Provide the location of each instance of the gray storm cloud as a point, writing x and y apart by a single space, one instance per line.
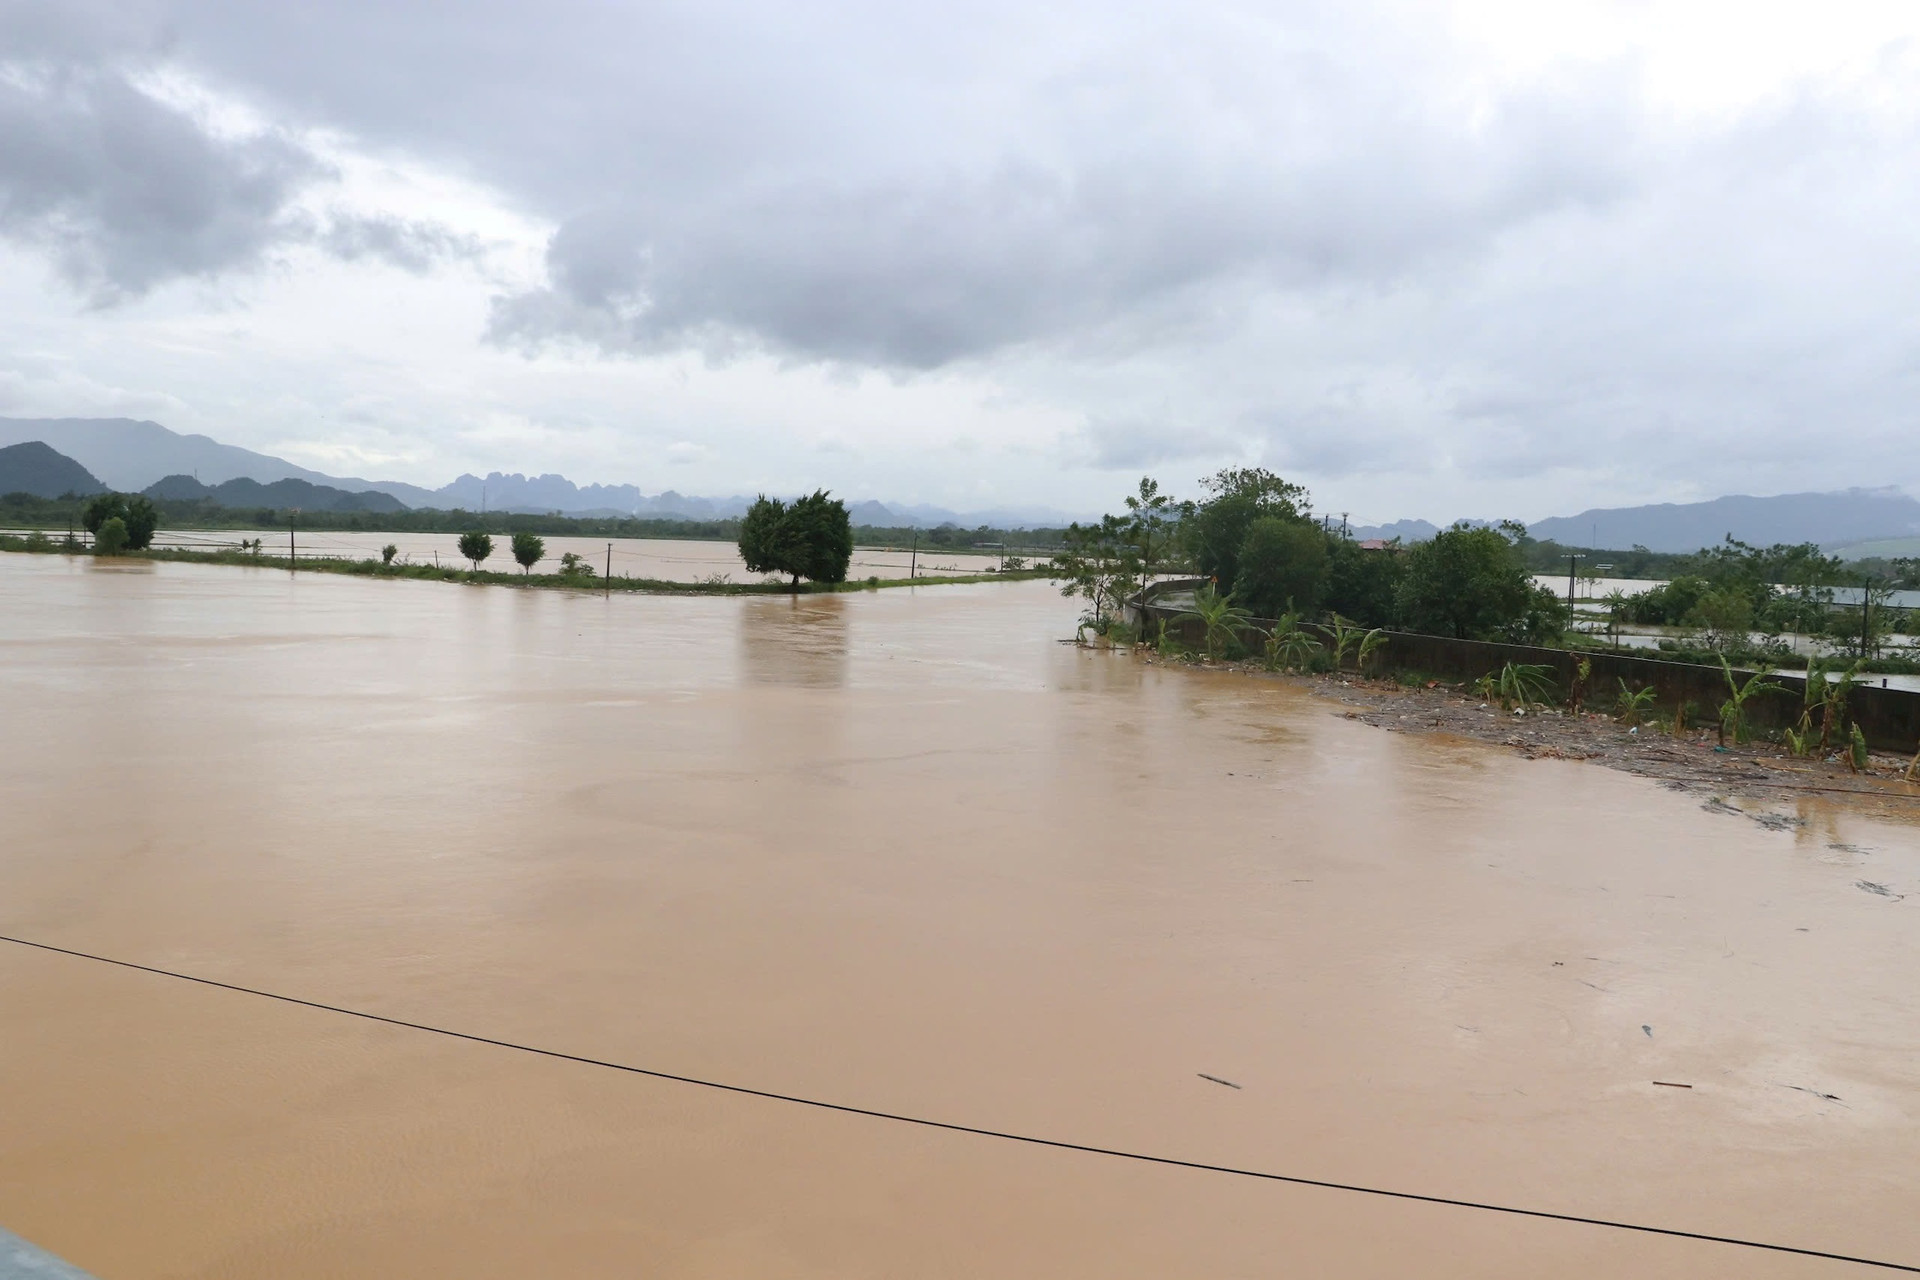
124 190
1314 234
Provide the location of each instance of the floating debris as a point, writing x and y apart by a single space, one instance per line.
1217 1080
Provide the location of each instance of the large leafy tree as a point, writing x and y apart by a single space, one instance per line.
1362 582
810 538
1473 584
135 512
1215 528
1282 567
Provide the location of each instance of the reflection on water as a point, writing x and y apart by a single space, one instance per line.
905 851
798 640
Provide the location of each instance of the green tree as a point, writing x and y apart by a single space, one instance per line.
136 514
143 519
1152 518
1215 528
1282 567
1362 582
528 550
1471 584
476 546
1726 613
1101 563
101 508
812 538
110 539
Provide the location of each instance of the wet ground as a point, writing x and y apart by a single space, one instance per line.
907 852
1696 759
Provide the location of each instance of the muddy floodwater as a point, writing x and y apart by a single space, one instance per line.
904 851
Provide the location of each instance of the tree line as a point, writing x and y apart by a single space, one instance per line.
1253 535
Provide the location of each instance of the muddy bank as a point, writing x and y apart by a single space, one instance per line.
1692 761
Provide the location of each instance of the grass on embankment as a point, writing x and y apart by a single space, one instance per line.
437 573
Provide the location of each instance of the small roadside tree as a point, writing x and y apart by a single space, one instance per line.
1100 562
476 546
1152 518
810 538
528 550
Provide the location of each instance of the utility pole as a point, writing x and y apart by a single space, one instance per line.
1866 607
609 586
913 565
1571 557
293 552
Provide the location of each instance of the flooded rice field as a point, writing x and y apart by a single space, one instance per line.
665 559
901 851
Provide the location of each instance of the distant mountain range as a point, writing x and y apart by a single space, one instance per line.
1830 519
131 456
53 456
302 494
1833 520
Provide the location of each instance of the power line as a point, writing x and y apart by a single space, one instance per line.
952 1127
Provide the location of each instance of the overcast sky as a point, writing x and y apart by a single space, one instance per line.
1431 260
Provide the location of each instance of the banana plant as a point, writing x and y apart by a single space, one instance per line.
1345 636
1633 704
1288 646
1733 712
1221 619
1370 644
1523 684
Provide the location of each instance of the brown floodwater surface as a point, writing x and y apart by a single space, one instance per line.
903 851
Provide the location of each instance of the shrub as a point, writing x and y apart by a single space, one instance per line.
111 537
387 553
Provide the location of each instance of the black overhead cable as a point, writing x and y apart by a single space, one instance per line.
949 1126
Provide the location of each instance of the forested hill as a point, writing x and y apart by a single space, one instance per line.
36 468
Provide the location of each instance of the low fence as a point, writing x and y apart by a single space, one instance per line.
1889 718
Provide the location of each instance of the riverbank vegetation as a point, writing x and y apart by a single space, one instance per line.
1253 537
